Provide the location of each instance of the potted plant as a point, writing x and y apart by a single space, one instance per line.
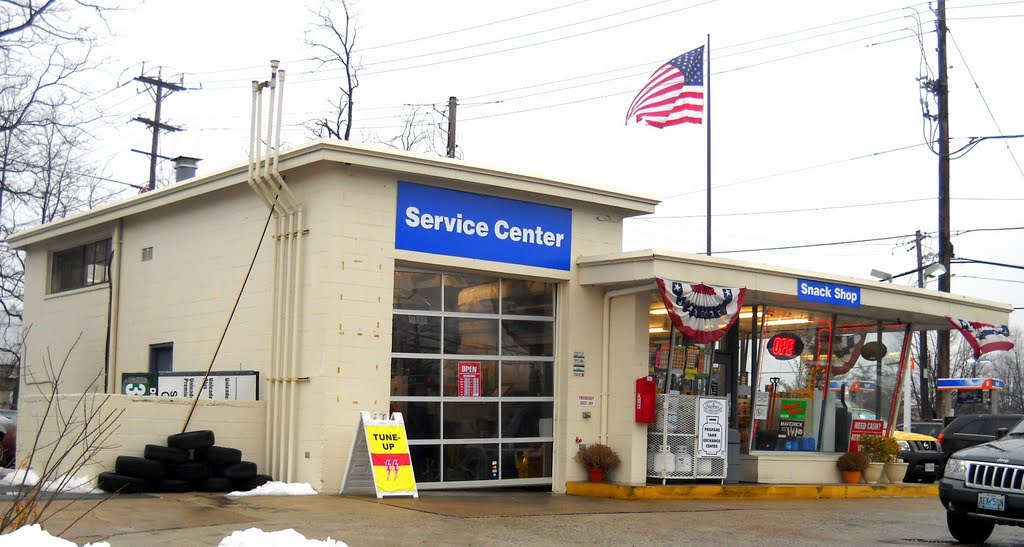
851 465
895 467
598 459
875 447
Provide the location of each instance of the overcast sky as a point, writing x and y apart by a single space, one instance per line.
818 133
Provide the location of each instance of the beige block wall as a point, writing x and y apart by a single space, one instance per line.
134 422
63 330
202 249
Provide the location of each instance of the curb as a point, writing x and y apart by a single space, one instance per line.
750 491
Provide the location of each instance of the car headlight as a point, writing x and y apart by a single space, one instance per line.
904 446
956 469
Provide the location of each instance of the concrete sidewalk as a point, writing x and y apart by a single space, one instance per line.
751 491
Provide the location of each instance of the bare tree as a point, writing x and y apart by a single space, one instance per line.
333 38
45 49
1009 366
417 133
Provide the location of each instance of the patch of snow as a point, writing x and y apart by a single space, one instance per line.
20 477
254 537
274 488
34 536
69 485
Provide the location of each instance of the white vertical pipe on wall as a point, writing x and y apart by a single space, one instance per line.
268 183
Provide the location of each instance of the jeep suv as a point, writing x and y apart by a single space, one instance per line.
983 486
970 429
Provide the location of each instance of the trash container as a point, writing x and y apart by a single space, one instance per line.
732 468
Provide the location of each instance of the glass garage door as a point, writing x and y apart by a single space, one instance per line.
472 373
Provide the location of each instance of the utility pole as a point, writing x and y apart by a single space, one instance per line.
163 89
922 365
945 246
452 104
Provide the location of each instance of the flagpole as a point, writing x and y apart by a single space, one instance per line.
707 122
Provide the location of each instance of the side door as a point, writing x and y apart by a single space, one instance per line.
973 432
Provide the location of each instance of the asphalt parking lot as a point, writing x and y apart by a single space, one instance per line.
510 517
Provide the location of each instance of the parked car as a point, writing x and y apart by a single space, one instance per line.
968 430
923 455
8 436
932 428
981 486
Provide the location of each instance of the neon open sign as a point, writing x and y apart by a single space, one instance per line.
785 345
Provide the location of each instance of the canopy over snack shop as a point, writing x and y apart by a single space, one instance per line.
798 356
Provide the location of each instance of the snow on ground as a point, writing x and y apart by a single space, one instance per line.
34 536
63 483
274 488
254 537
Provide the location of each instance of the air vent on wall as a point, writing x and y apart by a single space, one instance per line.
147 254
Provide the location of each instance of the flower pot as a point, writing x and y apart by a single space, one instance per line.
595 474
873 473
895 471
851 477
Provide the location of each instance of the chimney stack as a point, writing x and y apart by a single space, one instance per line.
185 167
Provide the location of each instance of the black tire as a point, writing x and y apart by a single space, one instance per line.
240 471
132 466
165 454
173 486
198 454
121 484
192 471
216 484
244 485
967 529
191 439
222 455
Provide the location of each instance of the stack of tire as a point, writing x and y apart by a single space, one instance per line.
190 462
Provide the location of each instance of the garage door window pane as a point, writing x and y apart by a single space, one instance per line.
415 334
417 291
415 377
470 294
470 420
521 297
470 336
527 338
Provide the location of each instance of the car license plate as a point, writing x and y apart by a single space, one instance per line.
929 468
992 502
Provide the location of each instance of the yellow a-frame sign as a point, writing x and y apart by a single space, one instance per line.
380 456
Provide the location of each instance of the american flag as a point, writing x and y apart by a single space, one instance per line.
674 94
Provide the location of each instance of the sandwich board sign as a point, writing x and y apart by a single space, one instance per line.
380 457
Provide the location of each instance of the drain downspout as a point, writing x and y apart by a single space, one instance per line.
115 300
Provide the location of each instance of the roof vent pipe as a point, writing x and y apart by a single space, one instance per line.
185 167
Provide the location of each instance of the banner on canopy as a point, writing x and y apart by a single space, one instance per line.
703 313
983 337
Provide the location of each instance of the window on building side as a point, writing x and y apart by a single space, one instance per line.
81 266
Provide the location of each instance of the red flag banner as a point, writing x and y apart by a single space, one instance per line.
983 337
701 312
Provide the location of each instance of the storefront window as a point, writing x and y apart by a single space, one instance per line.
818 373
473 370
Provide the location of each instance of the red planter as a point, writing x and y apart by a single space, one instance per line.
595 474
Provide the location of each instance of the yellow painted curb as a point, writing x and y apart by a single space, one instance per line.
750 491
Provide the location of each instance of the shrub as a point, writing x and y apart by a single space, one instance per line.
852 461
600 456
880 449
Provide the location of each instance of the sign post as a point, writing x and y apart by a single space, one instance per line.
380 457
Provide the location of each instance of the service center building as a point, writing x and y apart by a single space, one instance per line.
494 310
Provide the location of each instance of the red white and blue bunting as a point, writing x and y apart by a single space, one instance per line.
703 313
983 337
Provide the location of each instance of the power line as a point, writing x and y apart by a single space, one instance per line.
985 102
810 245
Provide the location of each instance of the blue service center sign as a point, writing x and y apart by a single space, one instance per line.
454 223
828 293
